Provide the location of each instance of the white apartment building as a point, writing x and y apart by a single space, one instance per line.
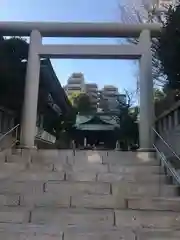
92 92
75 83
109 96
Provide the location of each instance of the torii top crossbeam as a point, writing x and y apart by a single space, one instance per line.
59 29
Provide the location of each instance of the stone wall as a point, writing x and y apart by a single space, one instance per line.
168 126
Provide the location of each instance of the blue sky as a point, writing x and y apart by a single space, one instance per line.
121 73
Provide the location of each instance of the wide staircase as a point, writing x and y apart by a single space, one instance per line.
98 195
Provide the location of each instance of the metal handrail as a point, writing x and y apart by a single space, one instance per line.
168 146
174 173
167 164
15 128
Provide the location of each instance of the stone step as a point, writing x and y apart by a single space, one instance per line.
141 189
147 219
161 234
23 236
86 233
116 168
133 162
14 215
16 159
17 187
114 177
89 176
80 200
65 187
10 169
92 167
11 166
29 228
73 217
31 175
37 175
45 200
75 188
158 203
98 202
115 202
144 178
9 199
106 235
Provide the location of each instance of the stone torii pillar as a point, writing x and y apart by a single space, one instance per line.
29 114
146 93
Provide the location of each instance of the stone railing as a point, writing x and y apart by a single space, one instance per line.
168 126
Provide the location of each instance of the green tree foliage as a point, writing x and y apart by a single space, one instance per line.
169 48
64 123
136 12
73 96
81 102
158 95
128 132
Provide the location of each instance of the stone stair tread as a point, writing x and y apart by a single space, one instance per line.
80 217
67 235
92 195
160 234
45 200
30 228
113 177
57 229
29 236
98 202
134 162
14 214
155 203
17 187
30 175
117 177
117 168
77 187
150 219
144 189
81 176
108 235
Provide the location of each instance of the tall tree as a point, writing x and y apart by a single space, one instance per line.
169 48
81 102
128 132
145 12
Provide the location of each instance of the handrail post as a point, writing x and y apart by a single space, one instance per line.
16 136
14 129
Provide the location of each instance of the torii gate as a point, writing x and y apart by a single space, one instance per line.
141 51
